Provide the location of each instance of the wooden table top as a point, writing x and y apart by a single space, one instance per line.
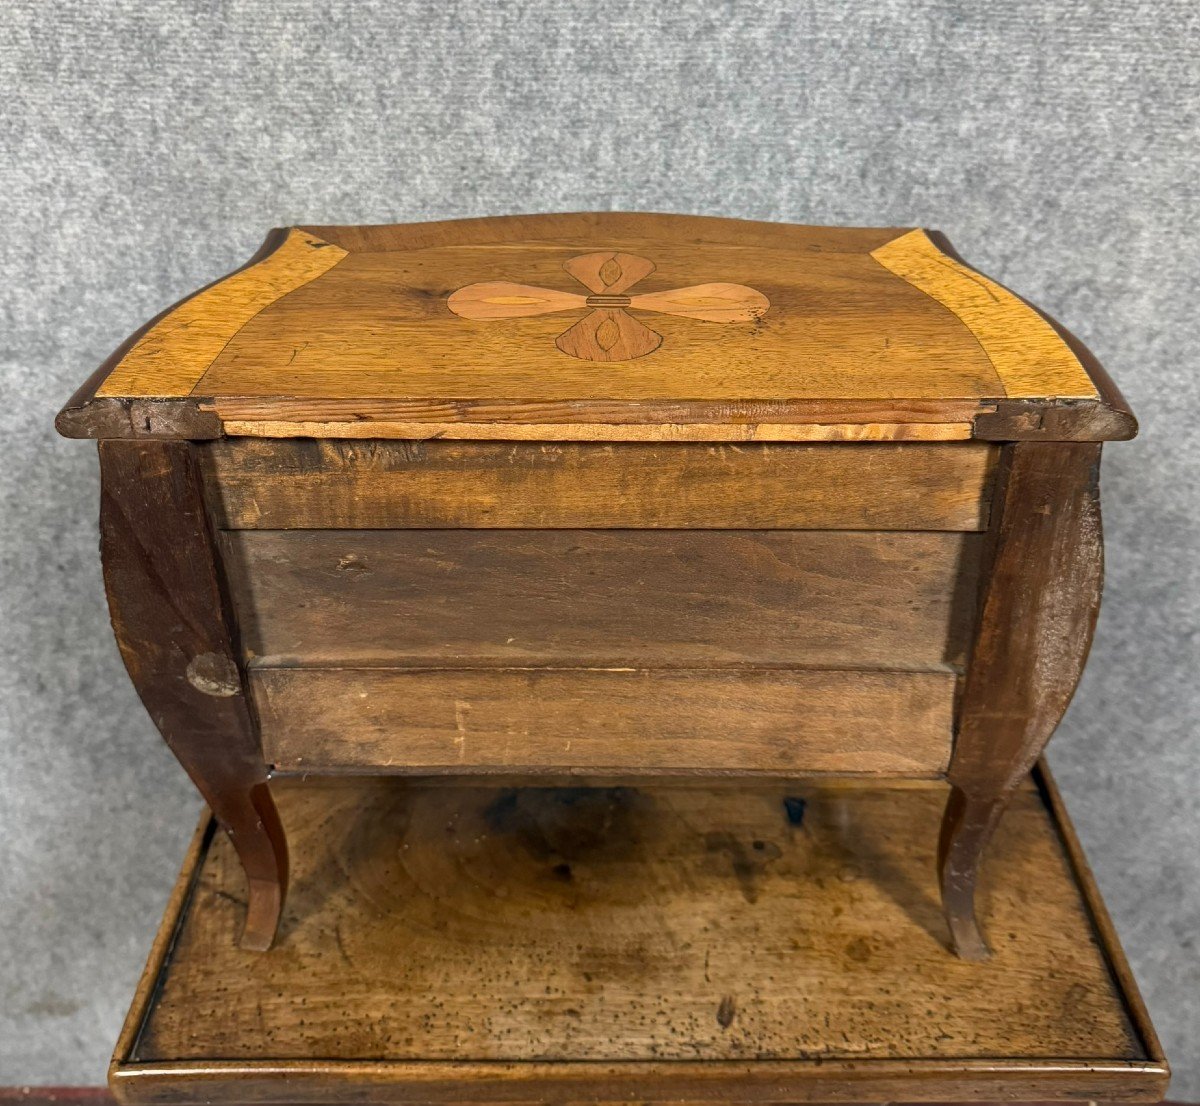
704 942
605 327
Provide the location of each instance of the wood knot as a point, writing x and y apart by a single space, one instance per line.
214 674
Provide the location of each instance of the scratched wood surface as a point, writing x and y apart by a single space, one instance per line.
603 598
783 921
608 318
274 485
568 720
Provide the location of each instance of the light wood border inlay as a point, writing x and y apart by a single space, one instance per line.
606 432
173 355
1029 357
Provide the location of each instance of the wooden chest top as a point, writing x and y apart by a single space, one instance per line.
604 327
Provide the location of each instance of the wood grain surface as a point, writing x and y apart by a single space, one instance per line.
794 317
773 942
634 720
510 431
818 598
380 325
380 485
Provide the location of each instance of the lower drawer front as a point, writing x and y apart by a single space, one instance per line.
893 723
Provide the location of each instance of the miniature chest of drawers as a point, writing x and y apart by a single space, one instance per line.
602 495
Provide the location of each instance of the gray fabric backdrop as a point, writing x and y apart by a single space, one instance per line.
147 146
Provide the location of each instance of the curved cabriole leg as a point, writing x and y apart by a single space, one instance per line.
176 636
257 834
967 826
1043 576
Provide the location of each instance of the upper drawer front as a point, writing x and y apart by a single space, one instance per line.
264 484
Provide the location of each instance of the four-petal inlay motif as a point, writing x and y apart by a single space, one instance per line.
609 332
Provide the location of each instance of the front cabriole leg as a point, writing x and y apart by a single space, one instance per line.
1039 604
176 636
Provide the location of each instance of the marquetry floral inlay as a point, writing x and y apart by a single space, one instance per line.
609 332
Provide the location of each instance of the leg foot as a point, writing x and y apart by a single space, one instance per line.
252 823
967 827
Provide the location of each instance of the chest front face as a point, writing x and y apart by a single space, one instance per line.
580 607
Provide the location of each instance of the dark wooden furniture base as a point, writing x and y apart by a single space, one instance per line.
697 942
